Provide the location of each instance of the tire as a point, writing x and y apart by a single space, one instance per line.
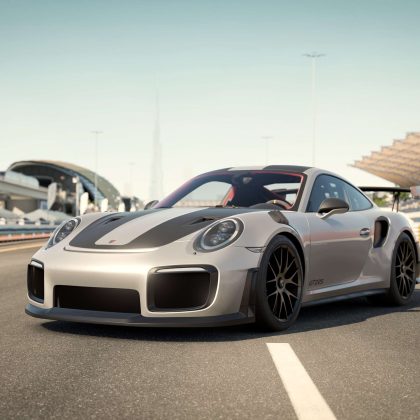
403 274
279 286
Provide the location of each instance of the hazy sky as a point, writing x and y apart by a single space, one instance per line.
228 72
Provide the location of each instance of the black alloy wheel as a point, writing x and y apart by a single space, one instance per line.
283 282
405 268
403 274
279 288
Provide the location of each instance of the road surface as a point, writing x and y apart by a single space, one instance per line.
363 362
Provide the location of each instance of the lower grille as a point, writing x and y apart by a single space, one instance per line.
97 299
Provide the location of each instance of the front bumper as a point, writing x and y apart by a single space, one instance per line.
128 319
231 301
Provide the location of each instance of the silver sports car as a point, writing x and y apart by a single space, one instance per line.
232 246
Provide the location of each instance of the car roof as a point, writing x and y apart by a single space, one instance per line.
281 168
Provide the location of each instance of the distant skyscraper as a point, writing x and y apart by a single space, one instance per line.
156 187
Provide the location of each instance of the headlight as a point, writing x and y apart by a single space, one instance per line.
63 231
219 235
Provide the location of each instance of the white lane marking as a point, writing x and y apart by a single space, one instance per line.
303 393
17 248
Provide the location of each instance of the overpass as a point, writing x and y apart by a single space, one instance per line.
17 190
22 191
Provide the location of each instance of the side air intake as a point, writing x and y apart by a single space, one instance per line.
381 232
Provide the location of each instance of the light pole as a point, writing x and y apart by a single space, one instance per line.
131 178
313 56
266 139
76 182
96 134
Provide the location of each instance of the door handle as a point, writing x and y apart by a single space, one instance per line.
365 232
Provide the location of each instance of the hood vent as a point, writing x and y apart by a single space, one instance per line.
204 220
112 219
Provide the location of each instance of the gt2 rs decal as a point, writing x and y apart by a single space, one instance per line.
149 229
316 282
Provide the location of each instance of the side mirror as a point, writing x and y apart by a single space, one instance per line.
150 204
332 206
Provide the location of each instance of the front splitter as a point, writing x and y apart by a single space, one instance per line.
135 320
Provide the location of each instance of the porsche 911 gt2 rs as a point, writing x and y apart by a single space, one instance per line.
231 246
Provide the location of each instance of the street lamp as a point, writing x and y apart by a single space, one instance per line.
313 56
96 134
266 139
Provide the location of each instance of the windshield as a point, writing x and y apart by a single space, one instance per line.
237 189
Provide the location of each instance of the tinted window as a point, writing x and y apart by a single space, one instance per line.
286 192
356 199
327 186
237 189
208 194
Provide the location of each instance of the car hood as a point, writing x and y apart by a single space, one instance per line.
149 228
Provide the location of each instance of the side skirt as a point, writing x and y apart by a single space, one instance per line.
344 297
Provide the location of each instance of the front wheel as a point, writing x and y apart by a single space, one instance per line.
279 286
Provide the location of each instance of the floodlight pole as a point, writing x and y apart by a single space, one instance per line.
96 134
314 56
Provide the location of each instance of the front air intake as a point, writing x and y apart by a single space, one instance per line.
35 281
181 288
97 299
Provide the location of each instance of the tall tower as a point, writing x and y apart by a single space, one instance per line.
156 188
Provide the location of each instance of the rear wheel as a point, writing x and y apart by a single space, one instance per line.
403 273
279 286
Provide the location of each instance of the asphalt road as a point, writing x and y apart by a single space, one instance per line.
364 360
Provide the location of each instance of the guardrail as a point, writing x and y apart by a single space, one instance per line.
24 233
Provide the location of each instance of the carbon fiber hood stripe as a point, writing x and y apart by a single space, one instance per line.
160 235
104 225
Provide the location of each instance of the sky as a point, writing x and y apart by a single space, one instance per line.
228 73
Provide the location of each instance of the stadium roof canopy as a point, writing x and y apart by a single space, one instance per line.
398 163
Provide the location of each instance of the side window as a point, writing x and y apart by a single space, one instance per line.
325 186
356 200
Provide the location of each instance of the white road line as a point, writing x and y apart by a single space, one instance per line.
17 248
303 393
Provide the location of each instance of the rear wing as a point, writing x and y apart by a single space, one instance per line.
395 191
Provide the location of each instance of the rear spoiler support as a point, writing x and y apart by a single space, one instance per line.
396 193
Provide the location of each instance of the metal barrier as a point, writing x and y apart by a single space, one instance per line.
24 233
